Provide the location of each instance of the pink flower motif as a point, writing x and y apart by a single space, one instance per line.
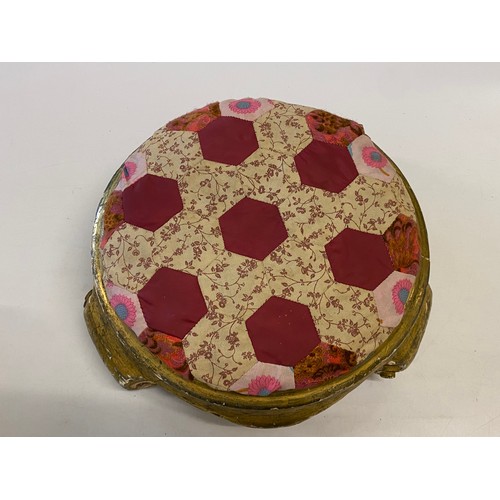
400 292
263 385
244 106
128 170
124 308
105 238
374 158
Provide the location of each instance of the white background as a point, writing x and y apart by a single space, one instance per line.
65 129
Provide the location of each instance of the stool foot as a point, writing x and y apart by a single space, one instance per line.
122 366
407 351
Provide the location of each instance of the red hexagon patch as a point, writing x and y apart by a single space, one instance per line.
282 332
172 302
151 202
252 228
359 259
228 140
326 166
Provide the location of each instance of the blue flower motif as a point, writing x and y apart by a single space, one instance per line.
243 104
122 311
403 295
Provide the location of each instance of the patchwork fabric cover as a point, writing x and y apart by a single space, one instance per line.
259 246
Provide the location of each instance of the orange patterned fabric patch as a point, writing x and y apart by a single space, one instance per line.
168 349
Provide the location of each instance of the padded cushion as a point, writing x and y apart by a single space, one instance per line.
259 246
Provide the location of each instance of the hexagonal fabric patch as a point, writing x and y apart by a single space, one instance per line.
264 379
188 242
282 332
252 228
133 169
246 109
233 286
297 271
313 215
359 259
172 302
126 306
128 257
271 177
228 140
151 202
331 128
210 189
326 166
403 244
369 160
171 153
219 351
323 363
346 316
168 349
284 128
391 297
195 120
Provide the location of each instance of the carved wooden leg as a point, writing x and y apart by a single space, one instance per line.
407 351
112 352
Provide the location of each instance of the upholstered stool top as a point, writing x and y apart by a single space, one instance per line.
259 246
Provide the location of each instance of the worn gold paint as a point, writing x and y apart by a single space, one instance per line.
134 367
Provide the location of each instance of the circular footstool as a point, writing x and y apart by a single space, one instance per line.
259 260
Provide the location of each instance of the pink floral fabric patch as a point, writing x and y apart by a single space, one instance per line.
264 379
133 169
369 160
126 306
247 108
391 297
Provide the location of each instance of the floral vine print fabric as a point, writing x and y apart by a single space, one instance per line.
259 246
